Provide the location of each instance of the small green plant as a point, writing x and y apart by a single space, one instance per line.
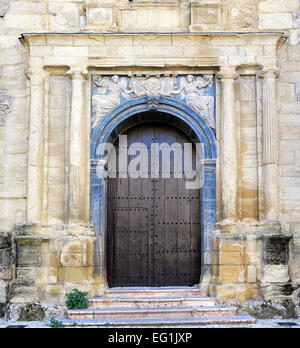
106 325
77 300
1 305
55 324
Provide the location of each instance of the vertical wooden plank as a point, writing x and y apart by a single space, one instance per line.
147 204
184 233
171 217
112 202
159 217
121 242
195 233
135 218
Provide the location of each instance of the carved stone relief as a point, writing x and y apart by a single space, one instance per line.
5 104
109 92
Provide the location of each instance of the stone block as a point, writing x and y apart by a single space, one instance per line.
242 14
5 272
26 276
5 257
70 51
229 274
11 56
251 50
5 241
231 258
52 275
205 15
226 246
101 17
3 291
64 16
153 40
73 254
251 274
52 291
276 21
152 18
30 7
225 292
294 53
27 22
247 292
28 252
275 274
75 275
269 6
287 92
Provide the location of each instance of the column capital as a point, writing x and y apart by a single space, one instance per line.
78 73
227 73
272 72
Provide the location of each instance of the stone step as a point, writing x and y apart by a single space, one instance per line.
237 320
152 313
153 292
147 302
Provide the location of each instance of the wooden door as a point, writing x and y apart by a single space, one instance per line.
154 232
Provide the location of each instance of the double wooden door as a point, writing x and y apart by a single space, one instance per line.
154 231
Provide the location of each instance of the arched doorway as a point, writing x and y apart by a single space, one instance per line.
119 121
153 221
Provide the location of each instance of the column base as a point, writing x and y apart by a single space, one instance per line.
52 260
250 260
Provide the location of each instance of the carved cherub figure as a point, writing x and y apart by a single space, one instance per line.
108 96
193 92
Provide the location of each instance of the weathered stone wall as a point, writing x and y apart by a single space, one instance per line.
67 260
6 265
289 99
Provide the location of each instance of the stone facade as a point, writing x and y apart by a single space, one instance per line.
48 52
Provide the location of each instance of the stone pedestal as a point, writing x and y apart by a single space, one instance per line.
25 287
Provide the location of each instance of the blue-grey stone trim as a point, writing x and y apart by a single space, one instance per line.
101 134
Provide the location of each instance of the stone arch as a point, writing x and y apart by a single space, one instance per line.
204 134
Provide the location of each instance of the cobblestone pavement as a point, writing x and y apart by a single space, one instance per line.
270 323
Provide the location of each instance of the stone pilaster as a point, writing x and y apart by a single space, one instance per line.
76 189
270 145
229 173
35 146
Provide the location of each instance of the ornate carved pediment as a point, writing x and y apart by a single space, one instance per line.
197 92
5 104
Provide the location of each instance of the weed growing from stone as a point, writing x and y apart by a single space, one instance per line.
77 300
55 324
